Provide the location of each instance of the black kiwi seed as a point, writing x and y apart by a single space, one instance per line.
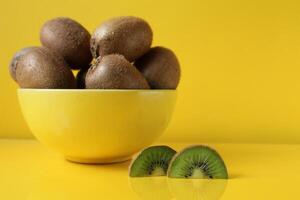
128 36
68 38
160 67
153 161
198 162
114 72
15 60
41 68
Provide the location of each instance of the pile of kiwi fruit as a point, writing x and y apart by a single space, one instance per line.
117 55
194 162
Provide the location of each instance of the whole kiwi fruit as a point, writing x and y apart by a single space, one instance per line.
114 72
160 67
41 68
14 62
68 38
129 36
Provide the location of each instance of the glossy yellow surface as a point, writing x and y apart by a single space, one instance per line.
240 61
30 171
97 126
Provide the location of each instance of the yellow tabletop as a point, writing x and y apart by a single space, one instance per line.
28 170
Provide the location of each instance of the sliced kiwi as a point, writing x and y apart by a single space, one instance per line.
200 162
153 161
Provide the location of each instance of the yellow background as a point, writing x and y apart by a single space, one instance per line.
240 62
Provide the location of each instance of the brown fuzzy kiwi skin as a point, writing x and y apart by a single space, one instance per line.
18 55
129 36
69 39
114 72
41 68
160 67
183 150
80 78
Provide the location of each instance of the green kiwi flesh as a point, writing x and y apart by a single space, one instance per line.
153 161
198 162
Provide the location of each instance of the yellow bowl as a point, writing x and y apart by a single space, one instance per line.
97 126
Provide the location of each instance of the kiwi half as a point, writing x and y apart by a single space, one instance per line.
153 161
200 162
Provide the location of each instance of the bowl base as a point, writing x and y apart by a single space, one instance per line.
97 160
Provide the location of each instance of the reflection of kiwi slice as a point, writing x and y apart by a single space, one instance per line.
151 188
200 189
152 161
198 162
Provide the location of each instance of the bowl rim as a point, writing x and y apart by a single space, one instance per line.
95 90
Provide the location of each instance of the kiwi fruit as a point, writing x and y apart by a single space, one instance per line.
41 68
69 39
198 162
129 36
160 67
80 78
14 62
152 161
114 72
